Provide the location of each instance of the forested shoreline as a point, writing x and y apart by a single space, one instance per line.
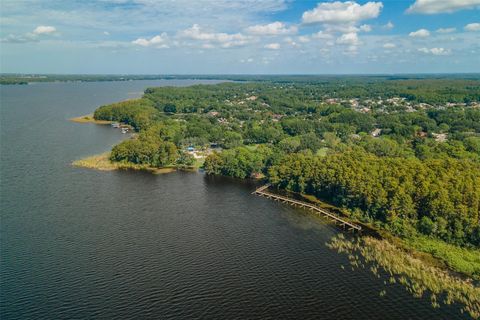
25 79
400 154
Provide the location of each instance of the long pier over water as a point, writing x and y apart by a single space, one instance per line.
336 219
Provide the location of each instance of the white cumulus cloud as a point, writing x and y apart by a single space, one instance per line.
272 29
159 41
11 38
272 46
446 30
421 33
472 27
322 35
290 41
389 45
225 40
44 30
304 39
34 36
441 6
365 28
342 12
348 39
342 20
389 25
436 51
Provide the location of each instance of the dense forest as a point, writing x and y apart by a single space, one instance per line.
402 154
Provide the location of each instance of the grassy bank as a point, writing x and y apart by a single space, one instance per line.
401 267
431 251
463 260
89 119
102 162
438 253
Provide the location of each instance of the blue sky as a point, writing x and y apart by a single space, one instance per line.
238 37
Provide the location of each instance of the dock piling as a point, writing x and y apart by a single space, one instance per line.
344 223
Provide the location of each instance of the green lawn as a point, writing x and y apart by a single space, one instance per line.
460 259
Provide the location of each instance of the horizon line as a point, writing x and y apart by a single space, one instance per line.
239 74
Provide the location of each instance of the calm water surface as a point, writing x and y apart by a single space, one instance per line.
78 243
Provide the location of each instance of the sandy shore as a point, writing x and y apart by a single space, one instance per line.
89 119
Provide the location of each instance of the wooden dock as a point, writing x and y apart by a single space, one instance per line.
336 219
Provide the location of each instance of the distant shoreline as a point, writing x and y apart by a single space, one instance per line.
26 79
33 79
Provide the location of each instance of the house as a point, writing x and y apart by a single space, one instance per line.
440 137
331 100
277 117
354 103
213 113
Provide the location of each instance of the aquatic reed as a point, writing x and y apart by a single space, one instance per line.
418 277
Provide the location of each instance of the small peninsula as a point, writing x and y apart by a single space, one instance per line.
89 119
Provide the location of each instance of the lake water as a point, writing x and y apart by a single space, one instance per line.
79 243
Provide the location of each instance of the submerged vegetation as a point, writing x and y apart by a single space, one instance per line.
400 155
415 275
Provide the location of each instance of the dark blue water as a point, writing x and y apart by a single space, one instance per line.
82 244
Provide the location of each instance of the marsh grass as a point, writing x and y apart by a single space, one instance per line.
414 274
436 252
89 119
464 260
102 162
